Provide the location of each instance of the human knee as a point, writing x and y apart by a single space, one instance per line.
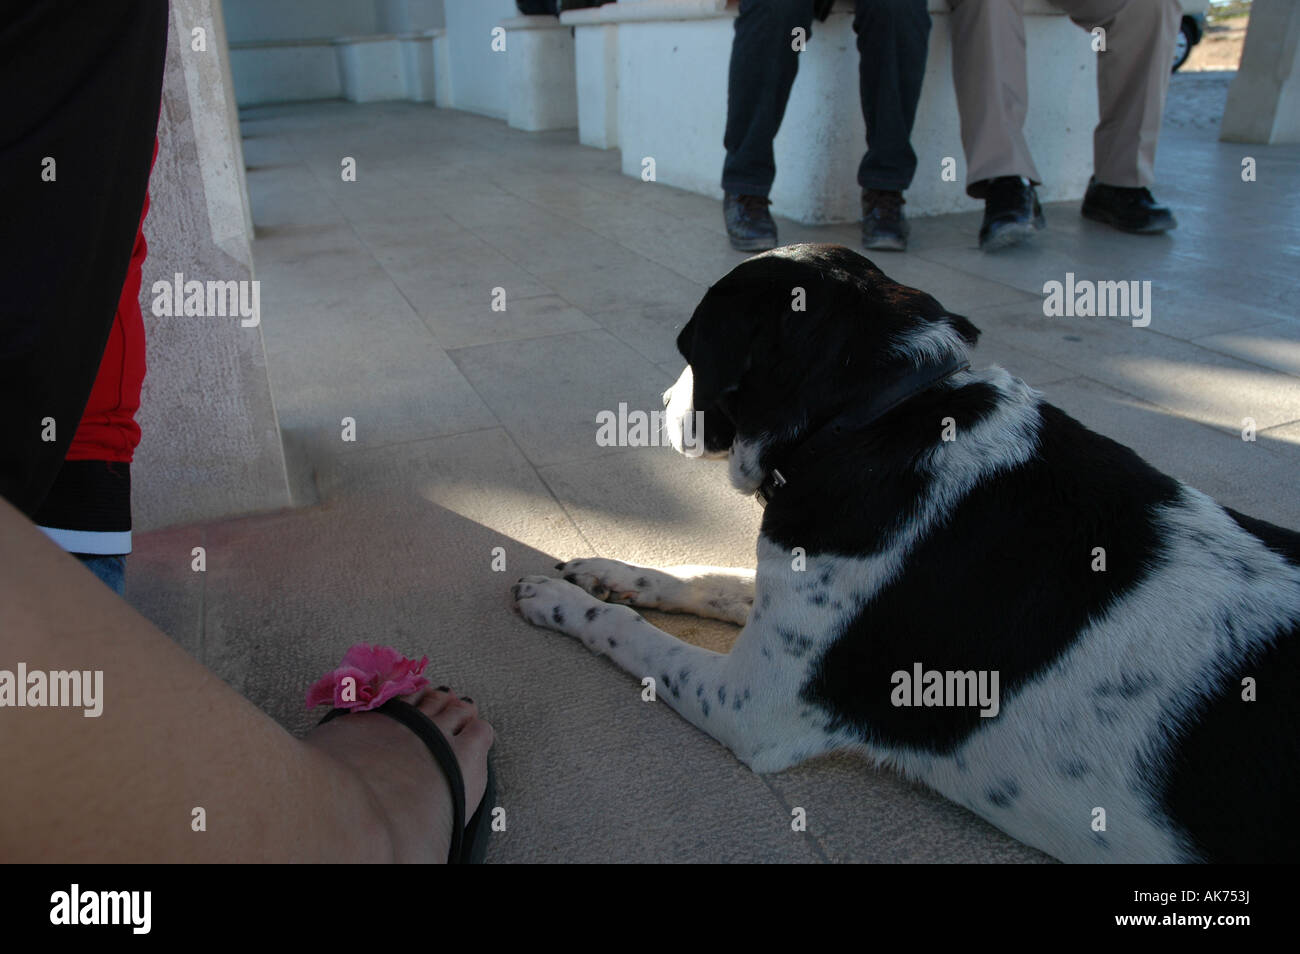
786 14
878 13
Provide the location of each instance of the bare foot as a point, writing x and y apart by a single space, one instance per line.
409 791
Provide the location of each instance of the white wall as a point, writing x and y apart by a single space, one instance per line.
478 75
409 16
255 20
284 50
259 20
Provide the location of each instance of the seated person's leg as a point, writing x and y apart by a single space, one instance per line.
763 66
164 735
893 41
988 72
1132 77
168 736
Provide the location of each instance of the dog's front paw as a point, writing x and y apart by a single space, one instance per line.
554 604
612 581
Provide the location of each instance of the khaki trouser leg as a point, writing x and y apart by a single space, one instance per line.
1132 77
988 72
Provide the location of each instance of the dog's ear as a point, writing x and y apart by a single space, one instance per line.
964 327
883 294
718 342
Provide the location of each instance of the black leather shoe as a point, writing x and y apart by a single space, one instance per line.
749 224
883 225
1011 213
1127 209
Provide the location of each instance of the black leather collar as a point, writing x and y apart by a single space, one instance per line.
853 419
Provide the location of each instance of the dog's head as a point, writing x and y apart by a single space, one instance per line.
789 337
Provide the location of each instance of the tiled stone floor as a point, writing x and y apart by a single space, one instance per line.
475 430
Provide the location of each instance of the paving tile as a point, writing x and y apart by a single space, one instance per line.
599 289
547 391
293 208
266 151
392 202
1195 382
164 588
1283 442
1191 313
288 177
366 177
656 507
957 290
434 233
650 330
551 243
294 244
1205 387
1271 285
373 362
461 316
1028 267
330 279
1030 368
864 815
586 771
480 475
695 252
1275 345
1249 476
483 204
425 271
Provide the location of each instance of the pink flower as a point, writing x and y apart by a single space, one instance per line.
368 677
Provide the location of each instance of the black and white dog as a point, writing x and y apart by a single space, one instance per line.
963 582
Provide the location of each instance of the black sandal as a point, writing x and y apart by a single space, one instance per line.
468 841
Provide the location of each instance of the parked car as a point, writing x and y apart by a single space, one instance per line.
1191 30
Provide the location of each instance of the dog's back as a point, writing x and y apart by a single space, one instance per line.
1146 640
1233 780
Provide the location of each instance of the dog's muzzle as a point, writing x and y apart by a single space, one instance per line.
684 424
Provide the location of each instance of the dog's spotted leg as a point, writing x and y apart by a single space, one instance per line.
712 592
704 687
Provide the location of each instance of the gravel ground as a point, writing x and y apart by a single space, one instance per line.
1198 91
1196 100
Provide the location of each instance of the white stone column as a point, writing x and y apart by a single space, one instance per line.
595 56
210 443
1264 99
541 91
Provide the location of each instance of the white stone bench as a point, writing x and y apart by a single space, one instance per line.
371 67
665 64
363 69
282 71
542 90
419 71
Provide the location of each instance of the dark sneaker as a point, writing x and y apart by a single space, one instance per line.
1011 213
883 225
1127 209
749 224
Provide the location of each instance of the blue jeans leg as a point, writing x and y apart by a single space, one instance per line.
110 569
893 42
762 70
